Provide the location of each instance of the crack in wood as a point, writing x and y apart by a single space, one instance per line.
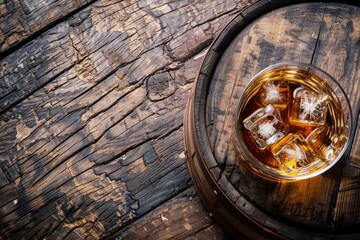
318 36
32 34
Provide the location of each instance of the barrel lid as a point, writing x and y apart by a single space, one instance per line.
324 34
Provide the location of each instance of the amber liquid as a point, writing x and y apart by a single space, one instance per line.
295 78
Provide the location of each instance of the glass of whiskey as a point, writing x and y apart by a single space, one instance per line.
293 121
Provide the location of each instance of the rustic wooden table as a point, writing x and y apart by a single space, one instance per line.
92 100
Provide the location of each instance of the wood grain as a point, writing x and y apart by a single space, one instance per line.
182 217
92 99
91 116
21 20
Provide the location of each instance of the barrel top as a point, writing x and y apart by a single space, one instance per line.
325 35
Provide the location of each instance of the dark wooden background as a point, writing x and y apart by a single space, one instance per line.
92 100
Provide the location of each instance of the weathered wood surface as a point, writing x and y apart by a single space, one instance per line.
91 115
23 20
327 36
180 218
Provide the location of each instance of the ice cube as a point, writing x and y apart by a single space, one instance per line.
249 121
266 126
325 142
275 92
308 107
294 154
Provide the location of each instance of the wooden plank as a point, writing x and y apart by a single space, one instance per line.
21 20
338 53
211 232
91 128
346 207
182 217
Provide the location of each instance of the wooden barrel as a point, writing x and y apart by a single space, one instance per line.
324 34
